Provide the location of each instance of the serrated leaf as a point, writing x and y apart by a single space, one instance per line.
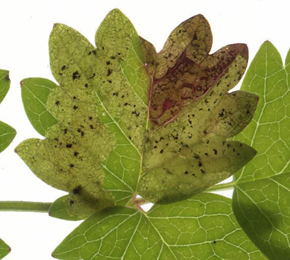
4 249
262 209
201 228
268 131
35 92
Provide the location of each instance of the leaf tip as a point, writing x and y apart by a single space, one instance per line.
56 26
7 76
268 42
244 50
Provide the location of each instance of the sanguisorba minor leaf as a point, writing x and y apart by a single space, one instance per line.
94 150
262 209
4 249
262 190
202 227
186 149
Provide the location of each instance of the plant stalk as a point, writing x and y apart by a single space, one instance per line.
24 206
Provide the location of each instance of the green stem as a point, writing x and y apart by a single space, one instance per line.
221 187
24 206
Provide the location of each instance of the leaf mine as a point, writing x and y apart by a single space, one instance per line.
125 119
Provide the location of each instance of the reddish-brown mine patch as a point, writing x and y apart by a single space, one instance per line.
189 81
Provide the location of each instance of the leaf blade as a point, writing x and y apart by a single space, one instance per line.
262 210
186 141
7 134
266 78
166 232
4 83
4 249
34 93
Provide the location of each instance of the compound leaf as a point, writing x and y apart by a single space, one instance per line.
202 227
262 209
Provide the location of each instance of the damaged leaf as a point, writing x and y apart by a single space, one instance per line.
125 119
93 152
193 114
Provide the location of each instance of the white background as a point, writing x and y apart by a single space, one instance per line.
24 31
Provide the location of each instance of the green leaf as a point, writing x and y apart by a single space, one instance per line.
108 143
190 152
202 227
4 249
92 150
262 190
268 132
4 83
66 208
7 134
262 209
35 92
